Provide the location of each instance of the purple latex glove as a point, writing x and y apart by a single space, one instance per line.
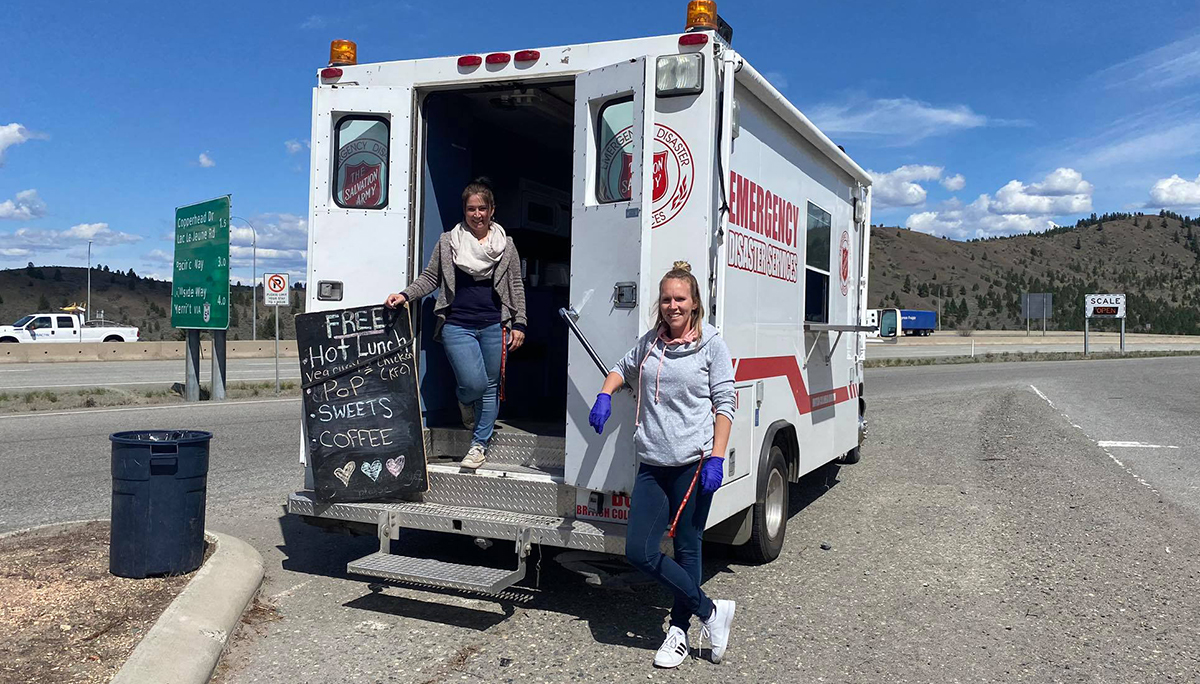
711 474
601 410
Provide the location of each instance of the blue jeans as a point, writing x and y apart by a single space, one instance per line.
656 496
475 356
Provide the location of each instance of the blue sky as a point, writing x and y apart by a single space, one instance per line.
977 118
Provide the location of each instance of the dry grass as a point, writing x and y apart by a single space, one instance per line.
66 619
102 397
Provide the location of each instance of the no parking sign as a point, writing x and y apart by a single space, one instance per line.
275 289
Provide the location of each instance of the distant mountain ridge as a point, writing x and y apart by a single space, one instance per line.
1153 259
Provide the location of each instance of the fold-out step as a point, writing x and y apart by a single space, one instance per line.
437 573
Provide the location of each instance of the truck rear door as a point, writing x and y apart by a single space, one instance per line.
610 251
359 220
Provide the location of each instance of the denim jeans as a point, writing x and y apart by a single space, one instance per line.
656 496
475 356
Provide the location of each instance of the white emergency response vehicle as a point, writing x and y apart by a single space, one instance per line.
610 161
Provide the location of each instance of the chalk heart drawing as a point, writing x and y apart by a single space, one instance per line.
345 472
372 470
395 465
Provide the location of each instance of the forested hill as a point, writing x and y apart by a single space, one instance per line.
1153 259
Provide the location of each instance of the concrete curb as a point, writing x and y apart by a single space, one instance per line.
186 643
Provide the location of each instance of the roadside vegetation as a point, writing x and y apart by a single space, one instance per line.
991 357
104 397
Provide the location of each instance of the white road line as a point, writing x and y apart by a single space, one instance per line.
206 404
1134 445
1099 444
144 382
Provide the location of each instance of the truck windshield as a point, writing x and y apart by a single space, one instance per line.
23 320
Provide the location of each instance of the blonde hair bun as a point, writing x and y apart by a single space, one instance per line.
682 266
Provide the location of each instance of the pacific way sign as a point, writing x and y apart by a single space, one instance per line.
200 286
1105 305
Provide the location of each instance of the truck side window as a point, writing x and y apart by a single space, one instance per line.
65 322
40 323
816 265
614 131
360 172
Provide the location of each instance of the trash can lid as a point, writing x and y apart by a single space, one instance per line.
161 436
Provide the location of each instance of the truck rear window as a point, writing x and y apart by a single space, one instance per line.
360 176
614 132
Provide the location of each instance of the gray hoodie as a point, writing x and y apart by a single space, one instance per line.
681 388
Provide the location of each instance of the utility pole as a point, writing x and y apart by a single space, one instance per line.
88 313
253 278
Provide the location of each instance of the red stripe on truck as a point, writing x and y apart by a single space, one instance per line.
746 370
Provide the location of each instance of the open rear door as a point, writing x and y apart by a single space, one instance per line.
610 250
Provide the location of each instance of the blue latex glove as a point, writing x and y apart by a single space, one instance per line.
601 410
711 474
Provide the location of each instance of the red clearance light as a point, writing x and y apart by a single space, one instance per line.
470 61
528 56
331 72
693 39
499 58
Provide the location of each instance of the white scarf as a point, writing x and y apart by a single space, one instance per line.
477 258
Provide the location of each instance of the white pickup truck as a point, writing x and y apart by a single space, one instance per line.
64 327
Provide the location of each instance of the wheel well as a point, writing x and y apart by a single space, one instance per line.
114 338
7 339
785 439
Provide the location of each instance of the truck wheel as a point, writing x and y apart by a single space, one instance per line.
770 514
850 457
8 340
113 338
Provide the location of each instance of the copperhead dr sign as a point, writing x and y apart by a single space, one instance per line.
1104 305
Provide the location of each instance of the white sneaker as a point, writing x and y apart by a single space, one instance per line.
674 649
716 628
475 456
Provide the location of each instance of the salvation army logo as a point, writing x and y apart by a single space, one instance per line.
844 265
363 184
673 172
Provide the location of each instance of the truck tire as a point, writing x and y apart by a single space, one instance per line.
850 457
770 513
114 338
8 340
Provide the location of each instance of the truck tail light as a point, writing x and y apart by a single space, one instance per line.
331 72
499 58
693 39
468 61
528 56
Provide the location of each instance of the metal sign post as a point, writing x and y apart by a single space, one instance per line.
1103 306
1039 305
275 293
200 286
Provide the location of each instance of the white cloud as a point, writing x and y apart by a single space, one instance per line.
15 134
903 121
293 146
1169 130
11 252
954 183
1062 192
899 189
206 161
39 240
26 206
158 256
315 21
1169 66
1176 192
1017 208
282 245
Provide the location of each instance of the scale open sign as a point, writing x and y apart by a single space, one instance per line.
275 289
1104 306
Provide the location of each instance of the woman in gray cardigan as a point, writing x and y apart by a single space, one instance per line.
480 309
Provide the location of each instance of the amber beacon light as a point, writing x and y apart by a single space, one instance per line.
702 15
343 53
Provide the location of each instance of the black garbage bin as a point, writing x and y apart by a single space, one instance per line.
159 483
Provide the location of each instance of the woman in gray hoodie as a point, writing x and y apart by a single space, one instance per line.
683 376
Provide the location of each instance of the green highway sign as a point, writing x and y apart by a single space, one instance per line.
200 287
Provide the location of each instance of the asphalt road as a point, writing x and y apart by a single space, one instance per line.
984 537
135 374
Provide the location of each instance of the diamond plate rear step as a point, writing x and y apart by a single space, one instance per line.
509 446
435 573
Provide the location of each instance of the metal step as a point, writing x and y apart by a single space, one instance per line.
509 446
500 488
429 572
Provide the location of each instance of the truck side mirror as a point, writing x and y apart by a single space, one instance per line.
889 323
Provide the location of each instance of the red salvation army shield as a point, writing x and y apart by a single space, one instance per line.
660 175
363 185
626 176
844 270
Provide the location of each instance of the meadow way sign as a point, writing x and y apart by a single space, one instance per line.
1105 305
200 285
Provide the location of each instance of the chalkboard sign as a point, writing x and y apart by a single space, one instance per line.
362 414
